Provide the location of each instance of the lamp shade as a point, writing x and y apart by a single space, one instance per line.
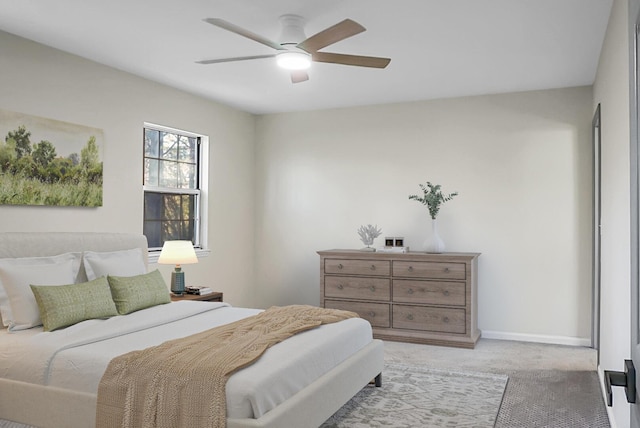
177 253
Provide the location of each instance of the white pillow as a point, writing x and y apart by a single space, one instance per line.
114 263
17 304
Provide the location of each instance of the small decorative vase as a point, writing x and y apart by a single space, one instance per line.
434 244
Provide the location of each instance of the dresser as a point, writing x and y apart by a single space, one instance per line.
409 297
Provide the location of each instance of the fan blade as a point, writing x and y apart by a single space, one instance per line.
298 76
356 60
240 58
324 38
244 33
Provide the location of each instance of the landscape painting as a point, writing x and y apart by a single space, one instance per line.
49 162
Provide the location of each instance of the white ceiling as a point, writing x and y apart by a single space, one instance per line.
438 48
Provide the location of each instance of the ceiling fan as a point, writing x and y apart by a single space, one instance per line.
296 51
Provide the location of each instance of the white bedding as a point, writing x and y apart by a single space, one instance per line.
77 356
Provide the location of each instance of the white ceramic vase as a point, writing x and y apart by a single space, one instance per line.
434 244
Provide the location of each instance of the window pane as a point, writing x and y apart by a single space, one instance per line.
151 143
172 207
168 174
187 176
188 206
187 231
153 231
187 149
151 172
169 146
153 206
171 230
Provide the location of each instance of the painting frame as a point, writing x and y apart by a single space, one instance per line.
48 162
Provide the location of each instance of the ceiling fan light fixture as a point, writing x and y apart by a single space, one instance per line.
294 60
295 51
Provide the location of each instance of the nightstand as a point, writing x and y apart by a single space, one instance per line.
211 297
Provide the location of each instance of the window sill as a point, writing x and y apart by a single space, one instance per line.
200 253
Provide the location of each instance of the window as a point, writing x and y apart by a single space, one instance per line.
172 183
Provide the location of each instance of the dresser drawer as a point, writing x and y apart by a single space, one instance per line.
429 292
376 313
353 287
427 318
357 267
429 270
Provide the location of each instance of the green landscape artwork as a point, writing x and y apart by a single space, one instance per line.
49 162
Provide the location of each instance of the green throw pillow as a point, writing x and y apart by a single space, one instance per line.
64 305
132 293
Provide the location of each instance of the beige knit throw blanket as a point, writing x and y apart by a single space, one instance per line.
181 383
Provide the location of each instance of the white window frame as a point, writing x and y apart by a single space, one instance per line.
202 203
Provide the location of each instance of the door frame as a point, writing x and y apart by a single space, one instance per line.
596 135
634 119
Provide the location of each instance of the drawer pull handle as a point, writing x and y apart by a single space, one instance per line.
445 292
372 288
373 267
372 314
340 286
340 266
446 270
445 319
410 269
410 291
410 317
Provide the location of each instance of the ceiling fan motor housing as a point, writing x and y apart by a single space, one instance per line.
292 31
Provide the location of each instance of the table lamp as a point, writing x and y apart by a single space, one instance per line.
177 253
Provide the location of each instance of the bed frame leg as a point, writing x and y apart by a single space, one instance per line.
378 380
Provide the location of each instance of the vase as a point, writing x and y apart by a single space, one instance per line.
434 244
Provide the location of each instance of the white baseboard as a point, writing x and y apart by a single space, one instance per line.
538 338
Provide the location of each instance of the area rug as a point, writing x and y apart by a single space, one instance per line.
553 398
416 396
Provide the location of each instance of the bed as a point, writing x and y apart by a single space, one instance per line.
50 379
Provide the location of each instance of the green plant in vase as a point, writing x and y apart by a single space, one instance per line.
433 198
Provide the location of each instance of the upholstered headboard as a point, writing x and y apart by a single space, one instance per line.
34 244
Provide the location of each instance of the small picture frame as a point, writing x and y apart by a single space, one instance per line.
394 241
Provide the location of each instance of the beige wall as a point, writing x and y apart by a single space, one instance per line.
611 90
521 163
45 82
